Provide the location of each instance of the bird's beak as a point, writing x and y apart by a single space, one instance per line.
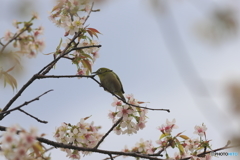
94 73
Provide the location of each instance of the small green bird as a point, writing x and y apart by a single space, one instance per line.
110 81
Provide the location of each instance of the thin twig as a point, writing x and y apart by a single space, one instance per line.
96 10
25 103
41 121
110 130
110 156
63 76
46 150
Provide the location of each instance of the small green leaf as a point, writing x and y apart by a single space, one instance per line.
184 137
179 146
86 64
60 43
164 135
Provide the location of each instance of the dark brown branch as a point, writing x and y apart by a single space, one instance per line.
24 104
110 130
92 77
67 146
68 58
16 96
110 156
96 10
41 121
62 76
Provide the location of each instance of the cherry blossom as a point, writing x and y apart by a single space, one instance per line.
200 130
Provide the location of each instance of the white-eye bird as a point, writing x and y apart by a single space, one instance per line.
110 81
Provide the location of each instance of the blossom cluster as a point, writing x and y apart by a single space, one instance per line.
66 14
20 146
26 39
82 135
187 147
72 15
133 118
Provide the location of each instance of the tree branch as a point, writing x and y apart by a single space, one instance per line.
24 104
110 130
41 121
110 156
67 146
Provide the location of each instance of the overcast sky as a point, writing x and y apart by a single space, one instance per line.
142 47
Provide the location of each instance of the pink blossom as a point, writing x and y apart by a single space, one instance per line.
124 111
8 35
200 130
116 102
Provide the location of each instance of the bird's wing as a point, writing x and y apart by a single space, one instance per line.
119 81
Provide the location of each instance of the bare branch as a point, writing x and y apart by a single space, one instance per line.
41 121
67 146
110 130
62 76
24 104
110 156
96 10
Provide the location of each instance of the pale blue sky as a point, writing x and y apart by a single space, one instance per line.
132 46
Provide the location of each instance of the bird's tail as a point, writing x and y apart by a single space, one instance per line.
121 96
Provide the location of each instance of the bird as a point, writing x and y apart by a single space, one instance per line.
110 82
